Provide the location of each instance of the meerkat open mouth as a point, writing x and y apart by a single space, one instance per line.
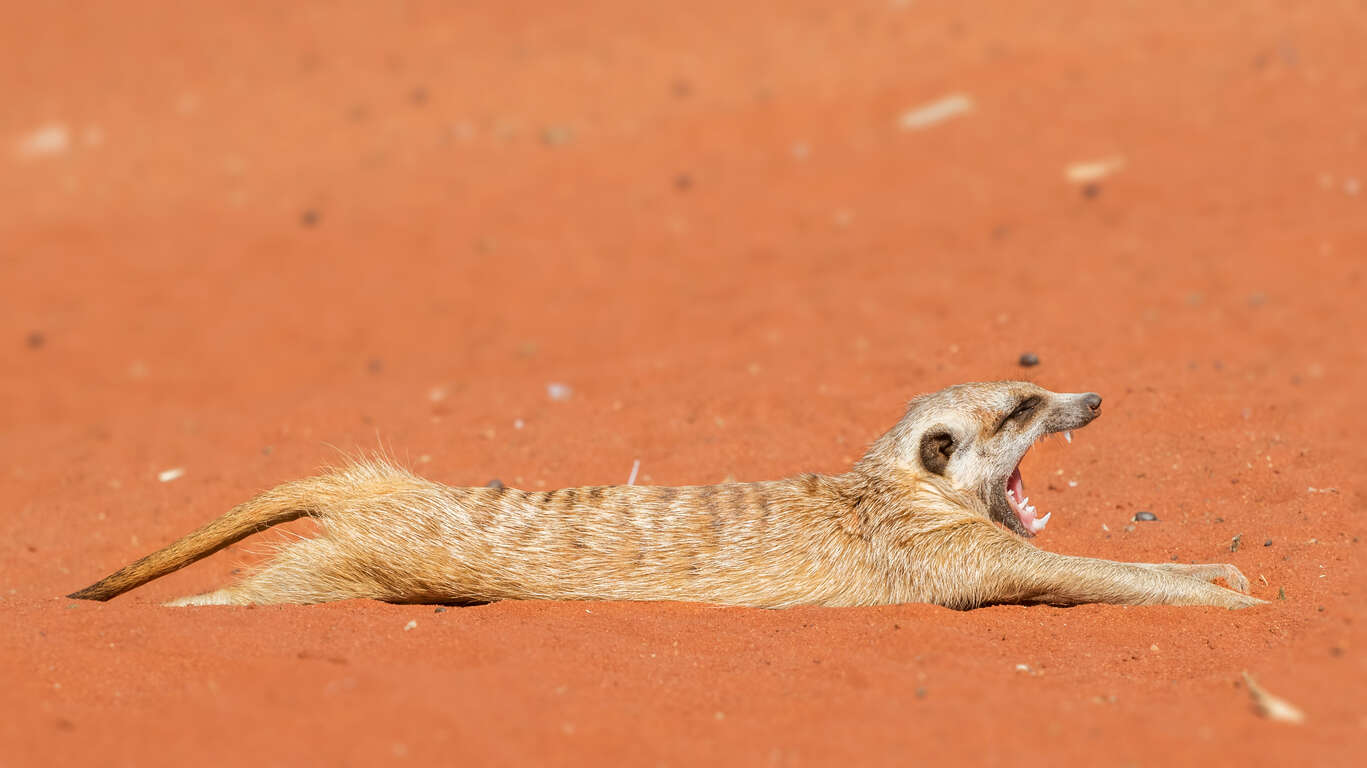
1019 503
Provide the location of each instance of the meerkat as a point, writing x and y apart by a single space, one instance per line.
936 511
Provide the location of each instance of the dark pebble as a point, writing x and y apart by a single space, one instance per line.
1090 191
418 96
1029 360
495 483
439 609
35 339
1267 543
683 182
309 218
374 365
1145 516
921 693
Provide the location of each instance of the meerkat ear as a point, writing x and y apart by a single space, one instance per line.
937 445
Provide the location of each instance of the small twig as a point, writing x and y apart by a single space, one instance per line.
1272 707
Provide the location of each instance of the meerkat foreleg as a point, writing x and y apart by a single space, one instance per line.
1069 580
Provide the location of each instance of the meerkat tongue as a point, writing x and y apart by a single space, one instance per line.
1015 484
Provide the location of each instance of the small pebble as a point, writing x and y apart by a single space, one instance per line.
309 218
1145 516
1029 360
556 135
558 392
1090 191
495 483
1267 543
412 624
439 609
35 339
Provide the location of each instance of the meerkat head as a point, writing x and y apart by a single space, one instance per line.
975 435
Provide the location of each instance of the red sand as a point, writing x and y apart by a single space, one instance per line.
241 237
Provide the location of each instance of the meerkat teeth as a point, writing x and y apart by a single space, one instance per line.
1025 502
1068 435
1039 524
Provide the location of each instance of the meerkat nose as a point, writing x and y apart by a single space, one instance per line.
1092 400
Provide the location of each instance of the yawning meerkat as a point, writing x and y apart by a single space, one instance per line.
936 512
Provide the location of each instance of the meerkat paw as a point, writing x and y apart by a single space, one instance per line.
1236 601
1213 571
218 597
1207 572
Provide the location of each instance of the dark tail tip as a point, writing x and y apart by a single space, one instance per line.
90 593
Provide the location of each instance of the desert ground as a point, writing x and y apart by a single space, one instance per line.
239 241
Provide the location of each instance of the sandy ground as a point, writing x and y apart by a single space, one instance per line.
238 238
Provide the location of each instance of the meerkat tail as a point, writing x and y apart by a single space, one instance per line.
280 505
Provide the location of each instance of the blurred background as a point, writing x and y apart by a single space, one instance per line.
271 208
542 241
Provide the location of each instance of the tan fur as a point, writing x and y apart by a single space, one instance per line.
888 531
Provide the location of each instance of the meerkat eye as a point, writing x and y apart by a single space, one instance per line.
1021 411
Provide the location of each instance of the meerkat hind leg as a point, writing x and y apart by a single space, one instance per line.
300 573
